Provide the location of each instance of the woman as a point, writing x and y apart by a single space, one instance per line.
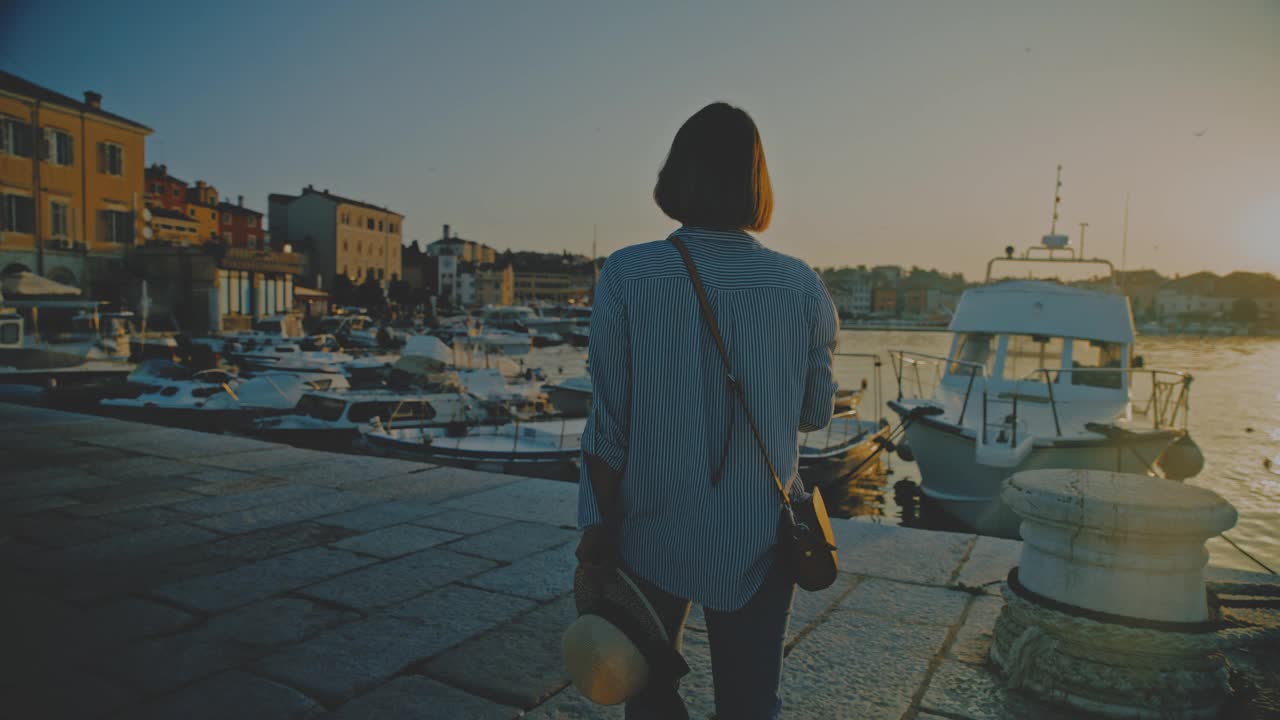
674 487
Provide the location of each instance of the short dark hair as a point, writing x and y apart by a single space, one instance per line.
715 175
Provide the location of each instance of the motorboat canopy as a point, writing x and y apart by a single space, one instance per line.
1039 307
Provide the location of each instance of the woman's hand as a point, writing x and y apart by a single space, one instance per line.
598 550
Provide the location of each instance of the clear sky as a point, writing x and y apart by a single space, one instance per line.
896 132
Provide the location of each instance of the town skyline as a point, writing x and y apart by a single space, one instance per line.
907 135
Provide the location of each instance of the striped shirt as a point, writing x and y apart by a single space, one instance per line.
661 405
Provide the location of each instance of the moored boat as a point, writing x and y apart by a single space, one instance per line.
544 448
1039 375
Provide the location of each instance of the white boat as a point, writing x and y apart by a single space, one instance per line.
170 394
332 420
545 448
829 456
267 394
32 359
571 396
290 357
1039 375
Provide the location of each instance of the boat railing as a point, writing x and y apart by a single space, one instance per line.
846 432
1166 405
907 365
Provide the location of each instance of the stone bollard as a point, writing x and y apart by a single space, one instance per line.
1107 611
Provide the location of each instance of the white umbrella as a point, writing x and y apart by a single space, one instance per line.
28 283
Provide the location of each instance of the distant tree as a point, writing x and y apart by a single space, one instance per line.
1244 310
344 291
399 292
370 296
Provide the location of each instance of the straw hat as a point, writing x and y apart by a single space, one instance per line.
617 645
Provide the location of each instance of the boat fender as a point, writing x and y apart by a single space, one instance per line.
905 452
1182 459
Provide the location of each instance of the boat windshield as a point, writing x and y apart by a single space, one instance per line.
972 348
1095 354
320 407
1028 353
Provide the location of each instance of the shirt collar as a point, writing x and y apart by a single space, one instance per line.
693 232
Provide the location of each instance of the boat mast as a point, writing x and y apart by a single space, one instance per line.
1057 199
595 270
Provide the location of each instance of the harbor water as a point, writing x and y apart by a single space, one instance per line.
1235 418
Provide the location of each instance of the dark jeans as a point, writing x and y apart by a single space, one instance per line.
746 654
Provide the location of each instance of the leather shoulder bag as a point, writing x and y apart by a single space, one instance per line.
805 542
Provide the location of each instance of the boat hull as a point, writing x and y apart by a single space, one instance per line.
830 468
968 493
554 464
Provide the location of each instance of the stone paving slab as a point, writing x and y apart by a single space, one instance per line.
380 515
395 581
856 666
462 521
233 502
528 673
513 541
351 658
414 697
433 484
138 501
273 541
540 576
274 457
267 516
233 694
347 472
898 553
544 501
262 579
395 541
989 563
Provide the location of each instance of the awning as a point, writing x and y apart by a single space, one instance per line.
28 283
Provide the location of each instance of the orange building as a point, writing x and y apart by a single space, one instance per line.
199 203
71 180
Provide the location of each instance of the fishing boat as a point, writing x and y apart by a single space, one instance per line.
543 448
332 420
266 395
166 393
848 444
571 396
1040 374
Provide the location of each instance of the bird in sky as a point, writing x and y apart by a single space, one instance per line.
1202 132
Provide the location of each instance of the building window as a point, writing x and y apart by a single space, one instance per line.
226 218
112 158
17 214
345 248
370 223
226 238
253 222
393 227
213 215
157 188
15 137
191 212
117 226
379 224
57 219
253 243
59 147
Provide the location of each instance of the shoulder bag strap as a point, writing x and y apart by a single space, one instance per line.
736 386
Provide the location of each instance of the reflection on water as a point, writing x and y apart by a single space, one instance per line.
1235 418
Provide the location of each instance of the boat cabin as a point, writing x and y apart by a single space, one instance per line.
1052 348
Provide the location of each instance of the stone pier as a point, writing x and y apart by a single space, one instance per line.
151 572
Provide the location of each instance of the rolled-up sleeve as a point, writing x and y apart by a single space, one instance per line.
820 383
609 363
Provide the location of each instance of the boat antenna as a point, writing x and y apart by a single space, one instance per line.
1124 243
1057 199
